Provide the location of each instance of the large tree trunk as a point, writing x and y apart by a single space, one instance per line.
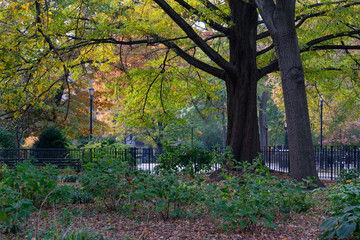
223 124
301 151
243 131
262 121
279 19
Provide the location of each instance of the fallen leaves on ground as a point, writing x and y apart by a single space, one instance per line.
142 224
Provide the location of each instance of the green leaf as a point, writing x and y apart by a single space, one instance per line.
243 224
328 234
346 229
3 216
329 223
348 209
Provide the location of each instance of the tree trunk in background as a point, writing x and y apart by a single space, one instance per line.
262 121
279 20
241 86
223 129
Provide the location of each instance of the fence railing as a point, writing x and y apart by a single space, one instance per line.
329 160
41 156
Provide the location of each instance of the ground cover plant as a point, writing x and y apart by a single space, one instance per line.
345 208
110 200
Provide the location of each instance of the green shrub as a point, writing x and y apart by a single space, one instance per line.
34 183
343 224
348 175
7 139
169 195
7 144
3 170
79 195
70 178
344 196
254 197
345 217
71 194
185 159
51 138
109 180
13 209
80 234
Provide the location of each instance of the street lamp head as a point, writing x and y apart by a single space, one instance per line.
91 91
321 102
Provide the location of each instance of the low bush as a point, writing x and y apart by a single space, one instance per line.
71 178
79 195
7 139
343 223
168 194
255 196
185 159
68 234
34 183
348 175
345 217
51 138
109 180
13 209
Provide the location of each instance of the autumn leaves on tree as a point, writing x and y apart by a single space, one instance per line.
158 54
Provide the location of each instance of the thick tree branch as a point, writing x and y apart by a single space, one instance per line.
265 50
301 19
351 56
311 43
93 41
334 47
214 8
211 53
266 9
210 22
220 73
271 67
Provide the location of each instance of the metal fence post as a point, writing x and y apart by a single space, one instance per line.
268 156
354 157
331 163
82 159
133 156
91 156
356 164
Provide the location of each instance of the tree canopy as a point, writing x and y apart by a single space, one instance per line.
50 47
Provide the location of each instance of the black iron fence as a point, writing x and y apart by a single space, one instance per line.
330 161
41 156
140 158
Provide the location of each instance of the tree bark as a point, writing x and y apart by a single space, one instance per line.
241 85
279 20
240 73
223 123
262 120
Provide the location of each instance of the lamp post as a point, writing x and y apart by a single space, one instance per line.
91 94
286 136
321 124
